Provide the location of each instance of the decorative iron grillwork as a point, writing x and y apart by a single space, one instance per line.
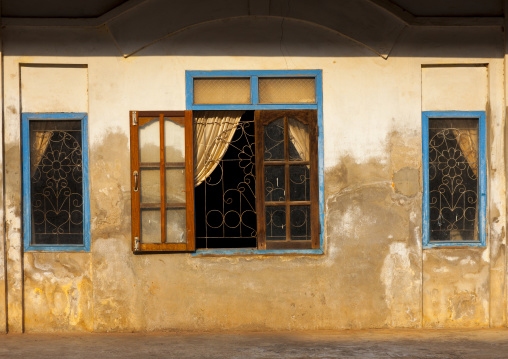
453 179
293 151
56 182
225 201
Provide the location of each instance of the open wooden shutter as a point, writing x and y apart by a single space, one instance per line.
162 181
287 187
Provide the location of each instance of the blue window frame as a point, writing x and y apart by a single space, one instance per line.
56 208
254 76
454 178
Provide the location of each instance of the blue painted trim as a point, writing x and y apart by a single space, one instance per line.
249 73
254 75
482 177
285 106
254 90
25 122
245 251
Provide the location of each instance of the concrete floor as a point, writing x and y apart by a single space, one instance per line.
463 344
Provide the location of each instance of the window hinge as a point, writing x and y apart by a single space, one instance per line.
136 244
134 118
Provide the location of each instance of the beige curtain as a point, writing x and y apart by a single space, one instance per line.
299 136
213 131
468 143
41 142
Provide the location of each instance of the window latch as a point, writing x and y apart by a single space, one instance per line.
136 244
134 118
136 183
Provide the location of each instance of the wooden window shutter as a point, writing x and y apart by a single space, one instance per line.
287 185
162 181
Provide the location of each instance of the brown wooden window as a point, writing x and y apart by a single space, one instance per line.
287 193
162 187
225 179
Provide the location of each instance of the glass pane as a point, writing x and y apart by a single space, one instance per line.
175 185
298 140
149 141
274 140
150 186
287 90
221 90
299 183
299 217
150 226
56 182
176 226
275 185
276 223
174 141
453 179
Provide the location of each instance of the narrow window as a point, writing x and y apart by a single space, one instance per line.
455 180
55 181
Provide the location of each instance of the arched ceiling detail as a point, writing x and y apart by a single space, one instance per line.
359 20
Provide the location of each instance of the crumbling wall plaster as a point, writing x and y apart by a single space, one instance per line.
371 272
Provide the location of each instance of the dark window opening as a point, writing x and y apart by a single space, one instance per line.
453 179
56 182
225 203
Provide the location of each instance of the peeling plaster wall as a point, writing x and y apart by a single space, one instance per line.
374 272
3 311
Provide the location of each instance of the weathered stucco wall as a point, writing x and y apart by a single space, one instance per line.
374 272
3 303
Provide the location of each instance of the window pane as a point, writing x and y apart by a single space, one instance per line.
151 226
274 140
453 179
175 185
299 183
150 186
149 141
298 140
222 91
175 226
275 223
300 222
56 182
287 90
275 183
174 140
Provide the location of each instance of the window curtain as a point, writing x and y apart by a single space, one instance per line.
38 148
299 137
468 143
213 132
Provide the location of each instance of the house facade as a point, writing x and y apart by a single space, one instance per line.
254 165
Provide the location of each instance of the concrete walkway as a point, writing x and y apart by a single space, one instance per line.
463 344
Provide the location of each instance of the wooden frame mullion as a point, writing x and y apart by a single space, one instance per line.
162 177
135 174
189 180
286 179
260 181
314 181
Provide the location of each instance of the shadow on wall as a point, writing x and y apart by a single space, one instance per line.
327 29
